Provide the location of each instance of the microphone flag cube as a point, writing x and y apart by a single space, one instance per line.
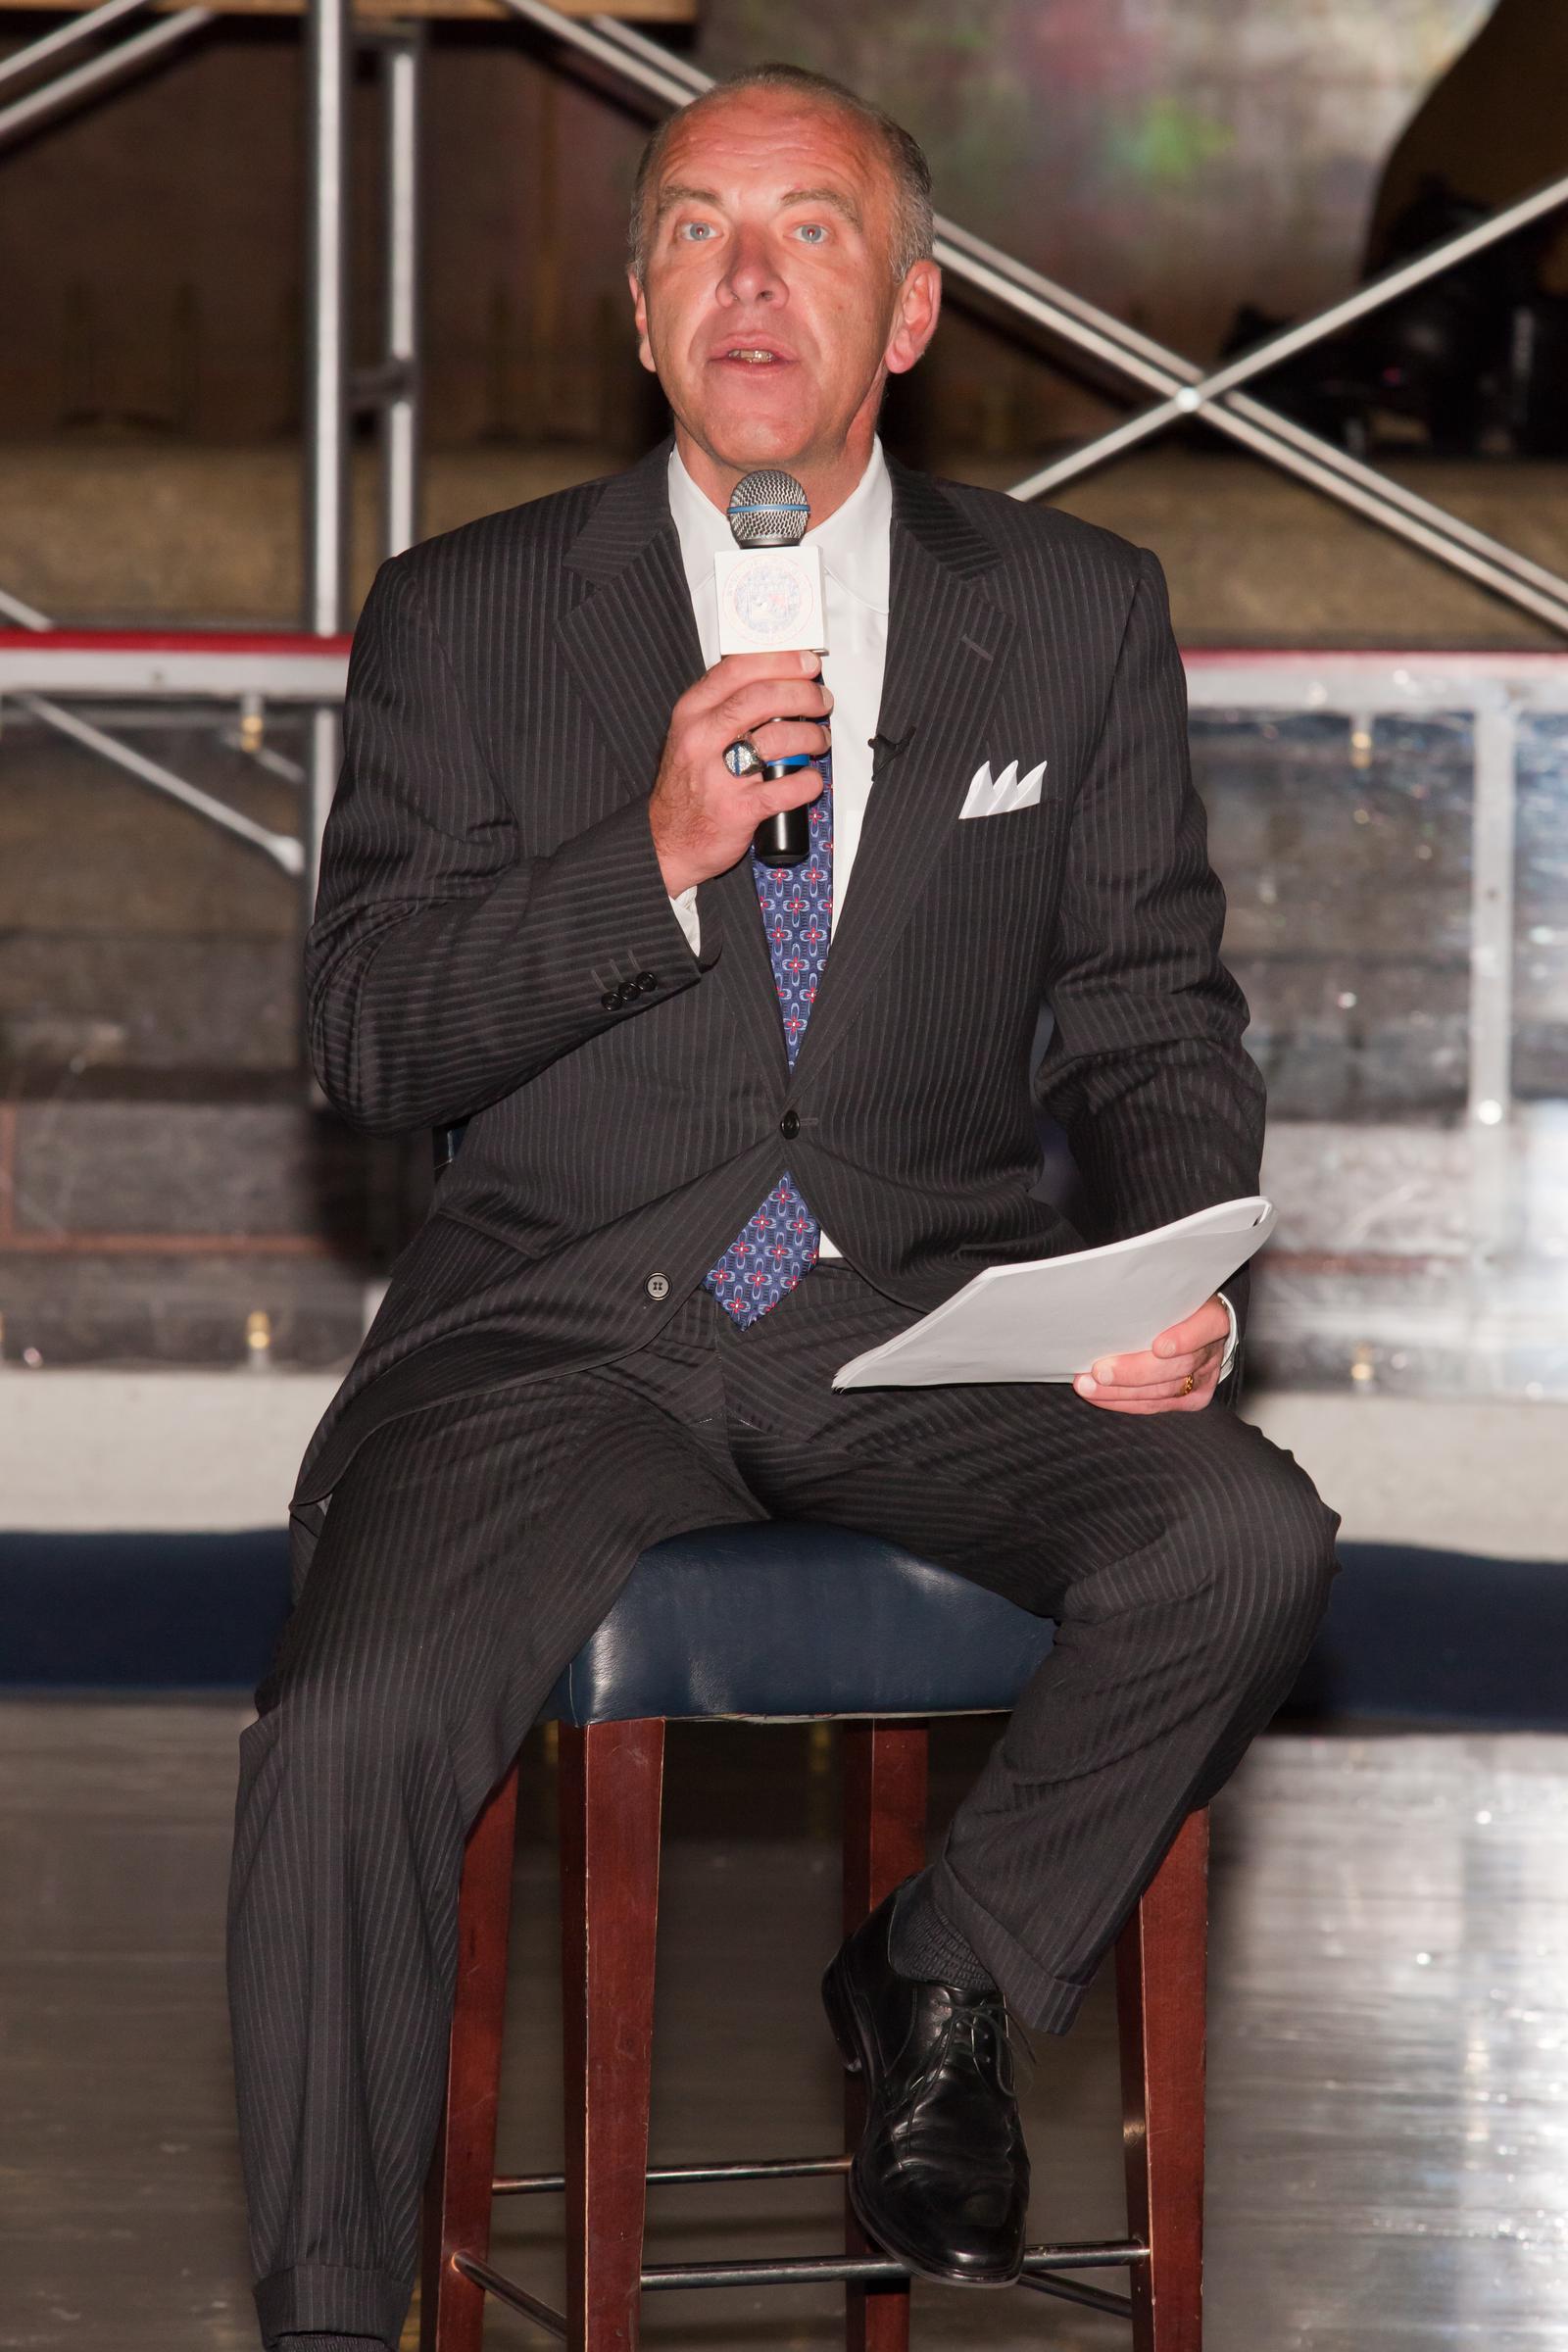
771 600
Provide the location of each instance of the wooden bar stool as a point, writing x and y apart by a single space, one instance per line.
780 1622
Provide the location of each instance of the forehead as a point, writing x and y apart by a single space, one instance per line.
758 135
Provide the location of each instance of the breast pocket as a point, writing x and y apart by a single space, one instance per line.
1016 833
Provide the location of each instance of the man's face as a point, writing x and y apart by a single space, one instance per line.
768 308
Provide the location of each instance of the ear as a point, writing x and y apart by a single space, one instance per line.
639 312
914 322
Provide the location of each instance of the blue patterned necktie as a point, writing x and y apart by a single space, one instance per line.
778 1243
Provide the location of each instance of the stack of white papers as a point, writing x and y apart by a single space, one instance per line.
1052 1317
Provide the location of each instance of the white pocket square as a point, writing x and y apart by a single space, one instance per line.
1009 792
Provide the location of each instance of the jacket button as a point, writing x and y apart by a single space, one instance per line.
659 1285
790 1125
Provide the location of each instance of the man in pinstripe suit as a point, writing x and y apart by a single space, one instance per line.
538 914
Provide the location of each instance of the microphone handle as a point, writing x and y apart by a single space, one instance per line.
785 838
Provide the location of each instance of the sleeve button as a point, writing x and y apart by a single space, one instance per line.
611 1001
647 979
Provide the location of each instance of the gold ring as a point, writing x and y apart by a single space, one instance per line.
1188 1384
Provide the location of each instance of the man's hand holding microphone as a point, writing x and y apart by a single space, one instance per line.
703 817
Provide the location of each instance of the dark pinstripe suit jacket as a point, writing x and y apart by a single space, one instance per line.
489 878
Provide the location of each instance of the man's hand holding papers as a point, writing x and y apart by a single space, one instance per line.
1178 1374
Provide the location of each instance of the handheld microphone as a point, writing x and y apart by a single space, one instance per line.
769 509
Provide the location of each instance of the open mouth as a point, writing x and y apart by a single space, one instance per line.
751 355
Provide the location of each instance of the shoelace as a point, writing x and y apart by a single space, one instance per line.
986 2037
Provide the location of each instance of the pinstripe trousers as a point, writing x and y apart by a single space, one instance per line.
471 1547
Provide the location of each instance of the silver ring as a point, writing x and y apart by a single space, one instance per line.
742 757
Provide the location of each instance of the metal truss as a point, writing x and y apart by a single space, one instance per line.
58 96
389 389
76 661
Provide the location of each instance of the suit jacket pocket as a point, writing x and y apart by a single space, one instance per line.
1015 833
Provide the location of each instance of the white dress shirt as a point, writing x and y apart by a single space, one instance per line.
855 547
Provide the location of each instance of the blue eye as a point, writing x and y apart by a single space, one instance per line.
693 229
813 232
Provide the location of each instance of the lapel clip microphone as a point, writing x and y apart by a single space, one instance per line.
883 746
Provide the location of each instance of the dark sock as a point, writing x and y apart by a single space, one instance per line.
923 1946
329 2343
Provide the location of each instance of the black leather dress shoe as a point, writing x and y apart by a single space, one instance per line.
940 2177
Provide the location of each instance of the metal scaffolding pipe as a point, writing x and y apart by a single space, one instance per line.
1291 339
372 389
329 59
283 850
328 66
1160 370
656 71
27 616
400 62
66 36
40 106
279 847
1367 496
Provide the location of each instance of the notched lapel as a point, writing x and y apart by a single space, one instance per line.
948 645
632 650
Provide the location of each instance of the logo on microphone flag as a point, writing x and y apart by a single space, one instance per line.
770 600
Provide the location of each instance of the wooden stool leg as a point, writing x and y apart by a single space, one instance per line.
1161 1969
456 2198
884 1841
612 1789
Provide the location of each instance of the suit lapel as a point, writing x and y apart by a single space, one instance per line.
631 643
634 649
746 968
947 643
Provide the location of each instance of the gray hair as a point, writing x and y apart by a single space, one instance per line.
906 161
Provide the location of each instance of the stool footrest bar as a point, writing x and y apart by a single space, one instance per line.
864 2270
762 2168
506 2292
1071 2290
1040 2264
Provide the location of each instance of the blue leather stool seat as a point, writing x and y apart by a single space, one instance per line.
782 1618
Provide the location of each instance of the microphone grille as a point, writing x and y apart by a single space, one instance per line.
769 509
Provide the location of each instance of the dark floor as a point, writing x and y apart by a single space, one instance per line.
1390 2084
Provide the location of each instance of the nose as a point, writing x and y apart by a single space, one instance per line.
753 275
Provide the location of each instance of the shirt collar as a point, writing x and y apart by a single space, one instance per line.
854 542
